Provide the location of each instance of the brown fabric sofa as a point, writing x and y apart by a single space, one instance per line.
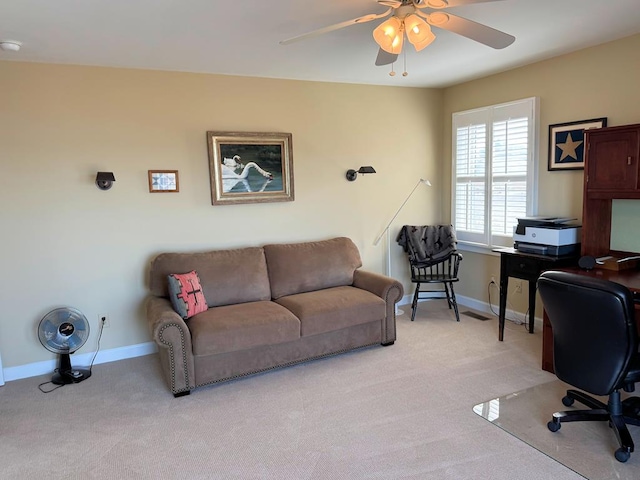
269 307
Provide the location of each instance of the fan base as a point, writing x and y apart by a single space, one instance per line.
70 376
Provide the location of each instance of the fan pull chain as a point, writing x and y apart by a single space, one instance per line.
392 73
404 55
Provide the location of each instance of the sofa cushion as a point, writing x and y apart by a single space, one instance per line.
305 267
227 276
238 327
334 308
186 294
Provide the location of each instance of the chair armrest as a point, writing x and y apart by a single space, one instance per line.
456 263
173 338
387 288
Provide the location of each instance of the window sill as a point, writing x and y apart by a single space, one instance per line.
477 248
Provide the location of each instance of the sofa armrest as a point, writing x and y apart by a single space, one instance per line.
387 288
173 338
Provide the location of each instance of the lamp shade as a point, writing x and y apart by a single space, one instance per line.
389 35
104 180
105 177
418 32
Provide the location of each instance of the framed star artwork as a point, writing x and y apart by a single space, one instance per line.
566 143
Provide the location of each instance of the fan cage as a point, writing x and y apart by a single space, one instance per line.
54 340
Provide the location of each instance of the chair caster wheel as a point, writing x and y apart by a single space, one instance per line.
622 455
567 401
553 426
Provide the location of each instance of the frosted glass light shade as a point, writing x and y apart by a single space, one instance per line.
418 32
389 35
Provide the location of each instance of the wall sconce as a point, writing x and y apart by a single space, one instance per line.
104 180
353 174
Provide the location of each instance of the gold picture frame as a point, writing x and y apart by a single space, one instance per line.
250 167
164 181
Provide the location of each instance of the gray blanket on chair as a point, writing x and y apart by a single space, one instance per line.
427 244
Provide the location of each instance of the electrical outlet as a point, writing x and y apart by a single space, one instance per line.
518 288
104 320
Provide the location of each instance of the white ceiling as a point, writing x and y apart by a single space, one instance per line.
242 37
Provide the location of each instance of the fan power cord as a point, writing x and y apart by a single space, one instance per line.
46 383
97 346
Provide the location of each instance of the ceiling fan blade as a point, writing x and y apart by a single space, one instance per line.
385 58
451 3
390 3
470 29
337 26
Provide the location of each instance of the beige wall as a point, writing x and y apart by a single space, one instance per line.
602 81
64 242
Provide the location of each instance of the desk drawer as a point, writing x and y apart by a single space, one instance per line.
525 268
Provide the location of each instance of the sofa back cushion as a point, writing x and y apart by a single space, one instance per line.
305 267
226 276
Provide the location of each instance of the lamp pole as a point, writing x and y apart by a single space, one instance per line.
387 229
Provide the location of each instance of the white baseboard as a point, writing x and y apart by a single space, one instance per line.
476 305
132 351
78 361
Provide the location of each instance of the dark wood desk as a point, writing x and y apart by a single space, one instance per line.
628 278
526 266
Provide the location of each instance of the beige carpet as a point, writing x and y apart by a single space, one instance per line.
399 412
585 447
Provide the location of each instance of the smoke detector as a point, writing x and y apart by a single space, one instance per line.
10 45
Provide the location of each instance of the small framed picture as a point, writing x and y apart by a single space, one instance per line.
164 181
250 167
566 143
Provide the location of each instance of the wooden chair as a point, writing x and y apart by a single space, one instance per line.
445 272
433 258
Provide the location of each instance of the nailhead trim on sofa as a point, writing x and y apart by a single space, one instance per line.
172 358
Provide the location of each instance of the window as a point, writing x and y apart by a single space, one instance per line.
494 172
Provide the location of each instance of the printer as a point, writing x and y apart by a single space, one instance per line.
547 236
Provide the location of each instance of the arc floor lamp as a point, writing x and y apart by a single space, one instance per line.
387 229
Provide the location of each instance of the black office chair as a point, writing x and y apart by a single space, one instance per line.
433 259
595 349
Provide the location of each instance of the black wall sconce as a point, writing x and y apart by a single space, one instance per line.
104 180
353 174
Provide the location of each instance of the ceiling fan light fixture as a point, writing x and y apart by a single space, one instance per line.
437 3
389 35
418 32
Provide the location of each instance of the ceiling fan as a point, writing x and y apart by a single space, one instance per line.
414 18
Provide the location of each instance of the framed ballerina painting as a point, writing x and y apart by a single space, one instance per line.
250 167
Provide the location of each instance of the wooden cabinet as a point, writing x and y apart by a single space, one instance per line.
612 171
611 162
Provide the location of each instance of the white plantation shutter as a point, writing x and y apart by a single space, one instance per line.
471 182
494 171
